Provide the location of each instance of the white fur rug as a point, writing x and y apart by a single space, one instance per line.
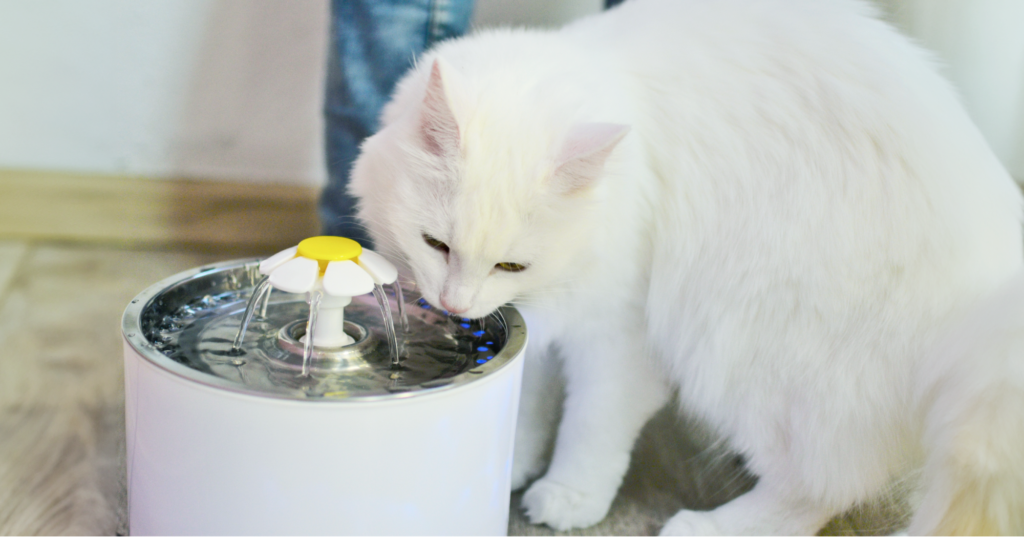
62 415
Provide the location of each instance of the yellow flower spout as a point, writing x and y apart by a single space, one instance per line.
326 248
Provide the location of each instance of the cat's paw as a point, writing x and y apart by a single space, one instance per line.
691 523
563 508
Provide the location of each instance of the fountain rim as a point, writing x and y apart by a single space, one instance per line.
131 332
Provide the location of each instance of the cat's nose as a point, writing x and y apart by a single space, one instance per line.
457 293
453 308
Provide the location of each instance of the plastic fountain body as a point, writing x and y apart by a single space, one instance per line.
267 434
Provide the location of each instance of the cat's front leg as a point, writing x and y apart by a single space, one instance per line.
612 389
538 414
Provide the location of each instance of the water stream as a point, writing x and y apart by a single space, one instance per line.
262 289
397 289
315 297
266 301
389 323
260 299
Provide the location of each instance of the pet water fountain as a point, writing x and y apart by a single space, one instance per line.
298 395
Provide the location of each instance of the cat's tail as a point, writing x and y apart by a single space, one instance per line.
971 398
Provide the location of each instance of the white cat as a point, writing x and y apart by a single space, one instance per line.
771 207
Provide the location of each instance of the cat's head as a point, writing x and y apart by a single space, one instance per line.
482 198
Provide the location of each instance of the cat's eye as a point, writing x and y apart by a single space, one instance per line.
435 244
510 267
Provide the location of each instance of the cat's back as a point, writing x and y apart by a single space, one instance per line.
814 127
782 122
740 32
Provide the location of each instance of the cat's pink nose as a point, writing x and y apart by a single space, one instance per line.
453 308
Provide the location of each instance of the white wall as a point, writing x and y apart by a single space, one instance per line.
202 88
981 43
232 89
223 89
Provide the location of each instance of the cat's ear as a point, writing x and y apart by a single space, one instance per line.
438 128
584 152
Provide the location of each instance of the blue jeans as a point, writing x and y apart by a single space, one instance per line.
373 43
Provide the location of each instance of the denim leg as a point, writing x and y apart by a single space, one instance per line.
373 43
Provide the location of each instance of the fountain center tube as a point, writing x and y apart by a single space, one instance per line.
330 323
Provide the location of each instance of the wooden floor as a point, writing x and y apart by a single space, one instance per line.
61 393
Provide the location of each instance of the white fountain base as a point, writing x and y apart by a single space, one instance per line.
209 461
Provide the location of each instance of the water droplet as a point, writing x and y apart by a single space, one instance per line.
185 311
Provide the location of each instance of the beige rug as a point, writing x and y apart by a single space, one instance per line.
62 415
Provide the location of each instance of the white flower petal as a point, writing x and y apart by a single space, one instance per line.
297 275
346 279
268 265
382 271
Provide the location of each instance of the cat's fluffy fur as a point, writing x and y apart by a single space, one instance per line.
775 208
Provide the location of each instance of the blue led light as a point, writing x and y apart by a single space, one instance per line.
475 333
478 361
422 305
464 326
488 343
489 357
481 348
